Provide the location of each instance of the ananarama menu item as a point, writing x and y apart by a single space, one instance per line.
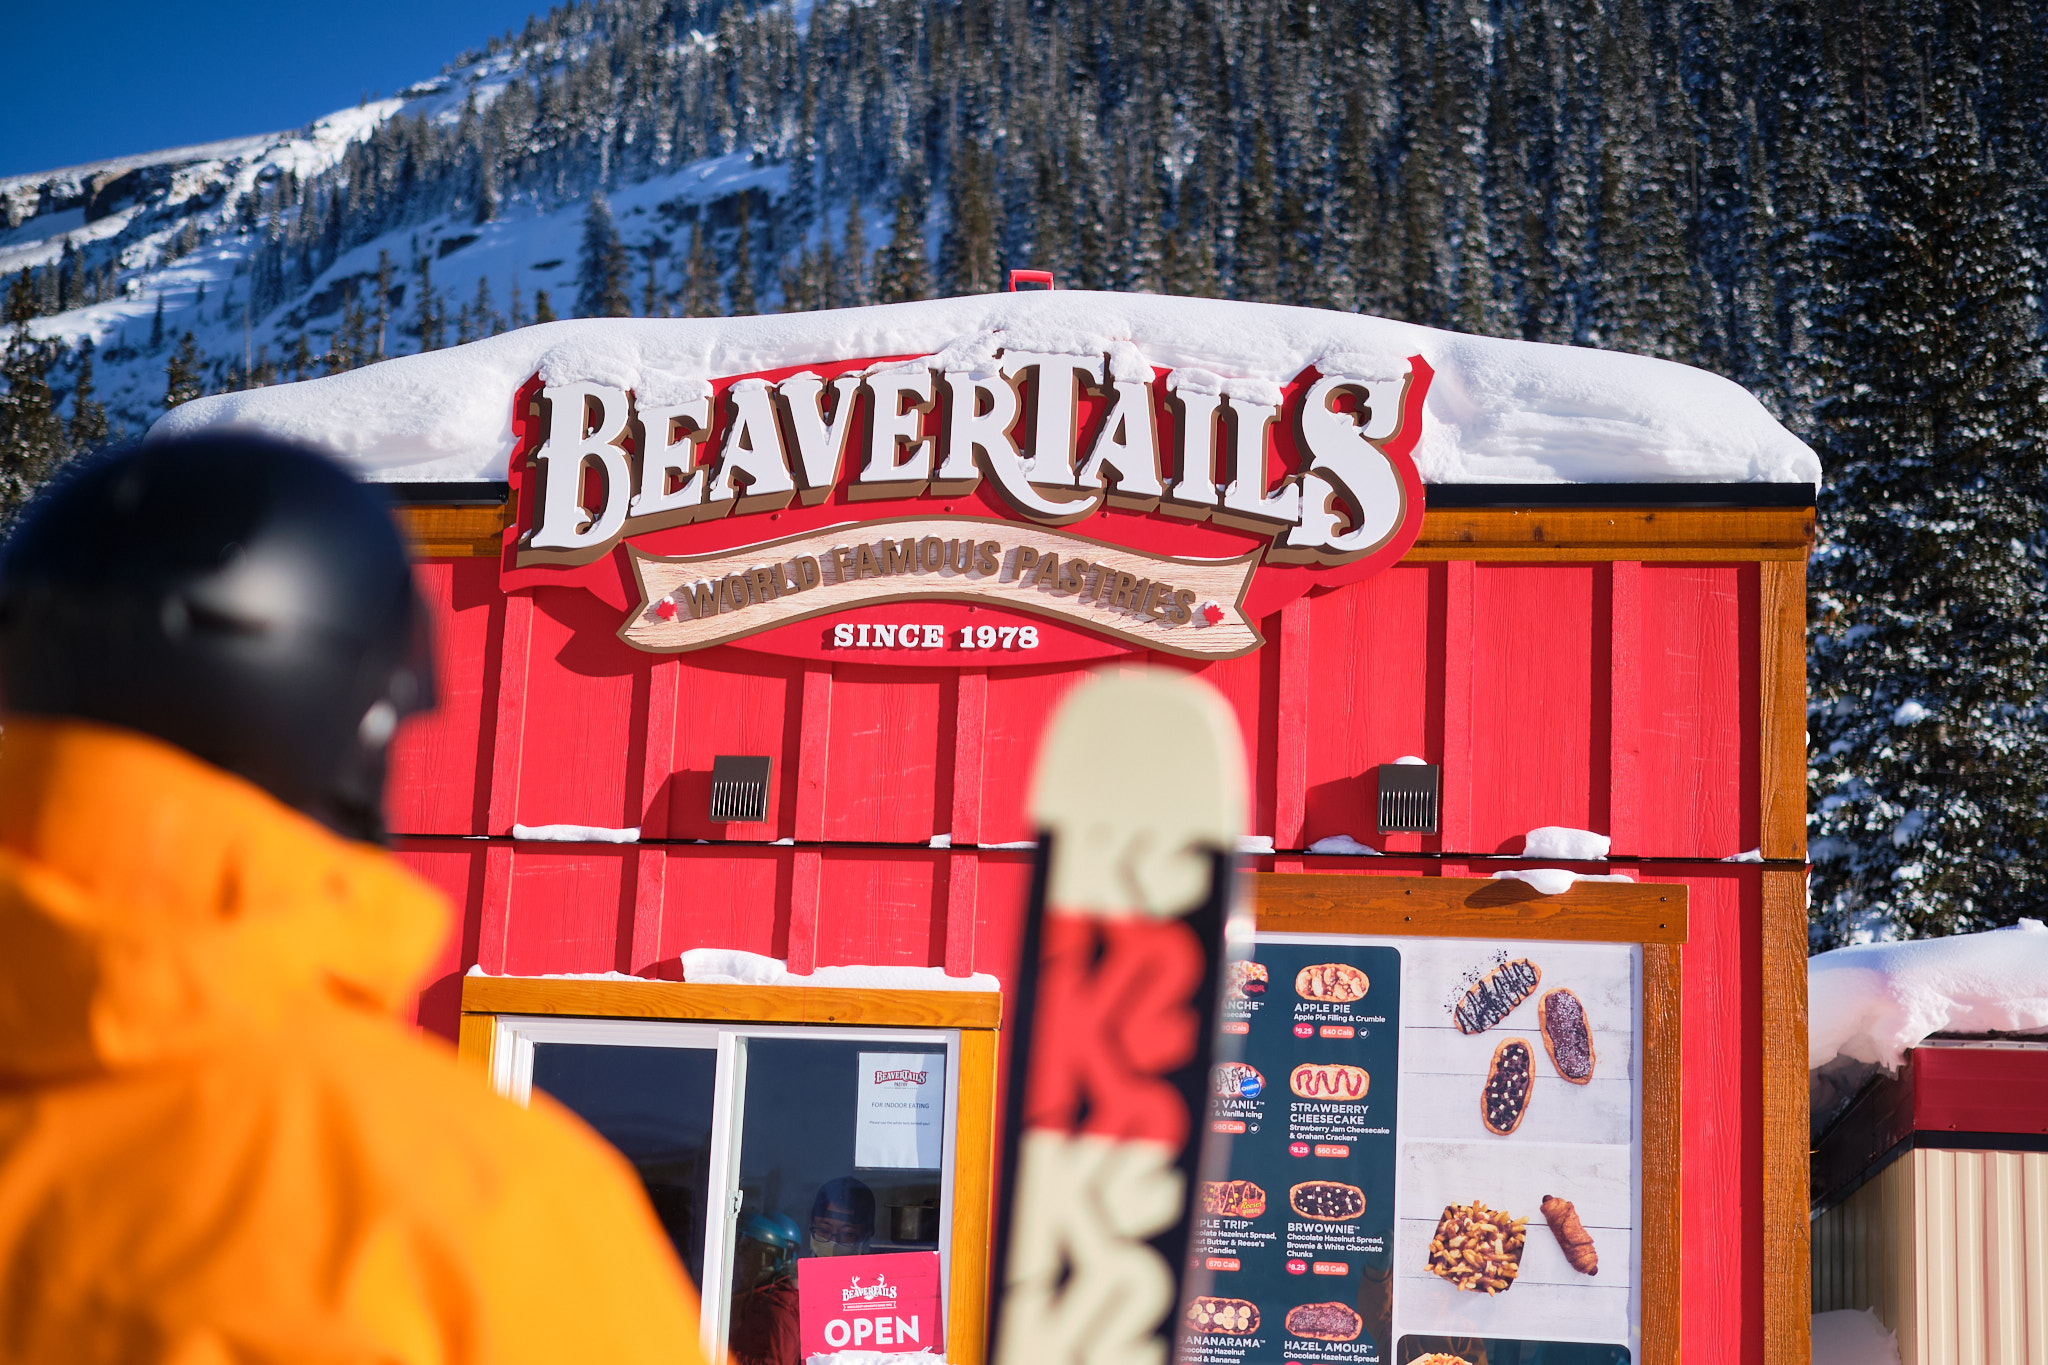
1236 1317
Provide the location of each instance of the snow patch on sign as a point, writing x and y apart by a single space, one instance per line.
731 967
1344 845
576 834
1555 881
1872 1002
1852 1336
1498 411
1562 841
1254 845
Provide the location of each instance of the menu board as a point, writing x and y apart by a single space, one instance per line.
1436 1156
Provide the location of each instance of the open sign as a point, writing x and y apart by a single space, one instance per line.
870 1303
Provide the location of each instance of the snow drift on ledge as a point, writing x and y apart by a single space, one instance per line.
1873 1001
1498 411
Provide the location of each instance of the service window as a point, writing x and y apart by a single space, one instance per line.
760 1145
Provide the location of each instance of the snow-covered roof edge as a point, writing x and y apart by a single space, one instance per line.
1501 412
1872 1002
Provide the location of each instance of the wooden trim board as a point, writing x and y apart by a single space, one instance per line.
736 1004
1718 534
1787 1131
1466 907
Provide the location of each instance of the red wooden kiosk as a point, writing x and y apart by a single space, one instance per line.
1625 658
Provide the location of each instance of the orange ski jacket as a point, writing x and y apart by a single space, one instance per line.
219 1144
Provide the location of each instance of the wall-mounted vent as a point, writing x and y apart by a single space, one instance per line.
739 788
1409 797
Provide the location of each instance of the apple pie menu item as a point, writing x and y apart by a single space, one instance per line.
1236 1317
1327 1201
1329 1081
1506 1098
1571 1234
1232 1199
1567 1037
1338 982
1478 1248
1325 1322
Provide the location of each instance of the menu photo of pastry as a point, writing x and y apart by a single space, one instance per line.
1523 1242
1437 1350
1520 1042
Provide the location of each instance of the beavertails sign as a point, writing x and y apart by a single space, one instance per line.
1026 507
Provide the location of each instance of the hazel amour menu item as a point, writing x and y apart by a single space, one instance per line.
1298 1239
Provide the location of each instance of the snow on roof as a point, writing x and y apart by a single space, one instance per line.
1511 412
1873 1001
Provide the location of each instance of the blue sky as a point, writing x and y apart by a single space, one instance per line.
93 80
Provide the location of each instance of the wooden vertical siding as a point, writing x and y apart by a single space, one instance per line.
1950 1250
1634 673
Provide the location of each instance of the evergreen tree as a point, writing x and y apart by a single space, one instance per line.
543 311
969 248
853 259
901 271
604 274
1930 657
700 288
88 427
181 373
156 326
743 304
430 314
32 438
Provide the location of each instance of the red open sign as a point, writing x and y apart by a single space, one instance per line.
869 1303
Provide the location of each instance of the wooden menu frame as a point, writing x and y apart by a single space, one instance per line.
1652 914
976 1014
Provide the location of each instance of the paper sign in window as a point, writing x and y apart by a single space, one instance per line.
901 1118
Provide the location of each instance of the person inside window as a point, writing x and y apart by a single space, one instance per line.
842 1218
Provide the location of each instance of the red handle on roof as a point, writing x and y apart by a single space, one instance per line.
1031 279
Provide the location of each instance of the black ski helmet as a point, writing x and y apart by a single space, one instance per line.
237 596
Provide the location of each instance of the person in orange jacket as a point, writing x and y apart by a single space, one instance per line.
218 1142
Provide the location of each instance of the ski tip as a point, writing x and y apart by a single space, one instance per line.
1140 776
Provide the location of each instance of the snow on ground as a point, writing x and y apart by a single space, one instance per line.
1853 1337
1498 411
1873 1001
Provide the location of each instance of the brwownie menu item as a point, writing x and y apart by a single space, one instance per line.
1298 1239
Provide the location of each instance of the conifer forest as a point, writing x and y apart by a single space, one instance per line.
1842 207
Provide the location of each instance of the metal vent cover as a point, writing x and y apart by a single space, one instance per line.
1409 797
739 787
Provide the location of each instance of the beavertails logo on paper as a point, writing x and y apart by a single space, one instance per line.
1031 507
900 1077
857 1292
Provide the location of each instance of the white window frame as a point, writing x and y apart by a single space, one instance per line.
512 1076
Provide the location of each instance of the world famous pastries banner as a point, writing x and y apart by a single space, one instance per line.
1435 1156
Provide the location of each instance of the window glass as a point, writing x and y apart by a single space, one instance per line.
813 1113
655 1105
